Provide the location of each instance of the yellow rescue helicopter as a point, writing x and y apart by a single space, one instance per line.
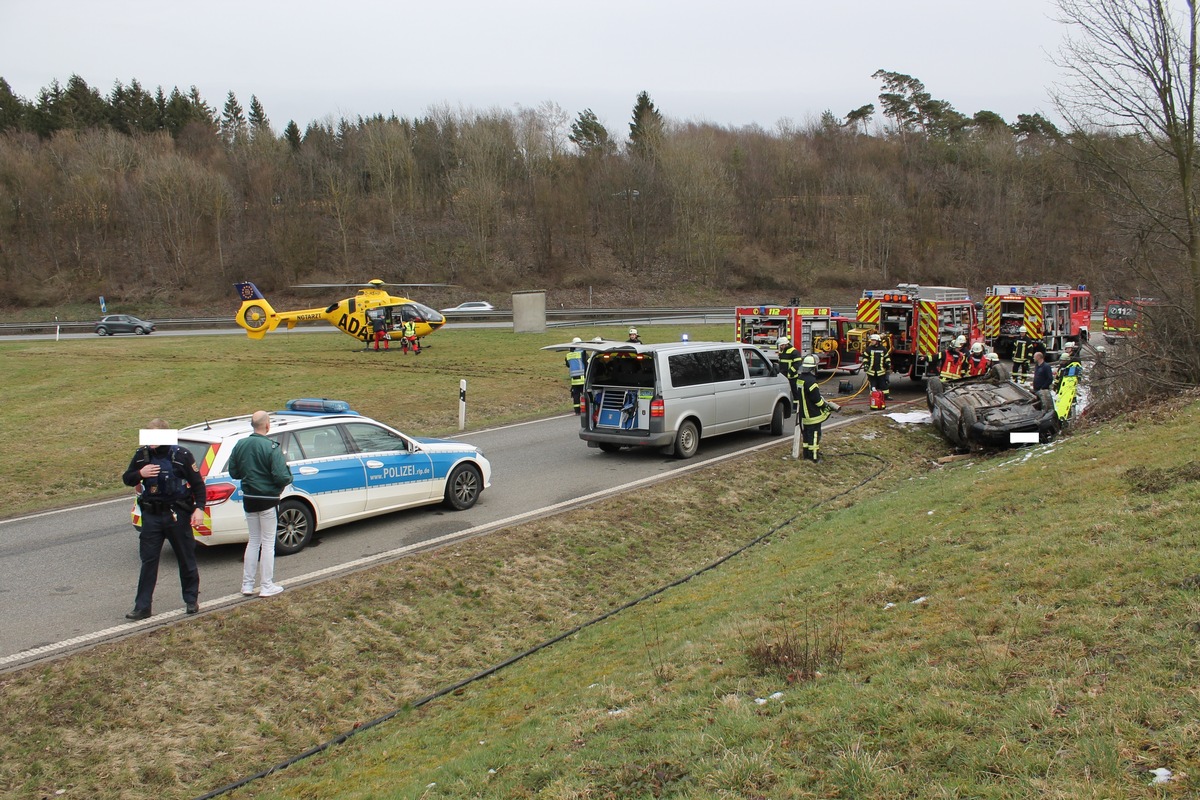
351 316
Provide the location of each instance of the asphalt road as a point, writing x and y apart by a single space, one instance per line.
68 577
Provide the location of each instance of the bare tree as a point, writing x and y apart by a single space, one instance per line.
1131 101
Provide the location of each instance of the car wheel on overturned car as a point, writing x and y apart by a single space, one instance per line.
294 527
933 388
966 420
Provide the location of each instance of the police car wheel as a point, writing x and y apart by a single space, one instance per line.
463 487
294 528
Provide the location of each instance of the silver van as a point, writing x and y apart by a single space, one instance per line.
673 395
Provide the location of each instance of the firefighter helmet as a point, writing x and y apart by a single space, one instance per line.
977 348
783 341
993 357
874 337
960 341
808 363
633 331
1022 330
576 340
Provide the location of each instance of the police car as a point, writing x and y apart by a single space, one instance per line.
345 467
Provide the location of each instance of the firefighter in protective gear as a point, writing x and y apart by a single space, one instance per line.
409 337
577 368
993 362
633 337
950 366
877 363
811 408
789 363
1066 382
976 362
1022 355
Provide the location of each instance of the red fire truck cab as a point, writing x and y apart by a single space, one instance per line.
817 330
1055 313
1121 317
918 322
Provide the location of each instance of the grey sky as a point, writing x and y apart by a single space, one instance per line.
729 63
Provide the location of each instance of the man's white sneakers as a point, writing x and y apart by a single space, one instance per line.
270 590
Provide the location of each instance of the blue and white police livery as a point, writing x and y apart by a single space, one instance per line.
345 467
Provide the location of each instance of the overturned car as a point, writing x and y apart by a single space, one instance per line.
991 411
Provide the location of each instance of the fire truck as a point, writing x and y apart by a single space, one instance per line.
1055 313
917 322
1121 317
817 330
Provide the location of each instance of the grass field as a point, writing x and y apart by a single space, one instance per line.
1022 625
74 407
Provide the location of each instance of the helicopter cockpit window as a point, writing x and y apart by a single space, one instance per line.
419 312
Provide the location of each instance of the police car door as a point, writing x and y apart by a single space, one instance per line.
326 470
399 474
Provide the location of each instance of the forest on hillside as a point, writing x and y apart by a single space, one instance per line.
136 194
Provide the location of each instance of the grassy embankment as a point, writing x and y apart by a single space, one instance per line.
1014 626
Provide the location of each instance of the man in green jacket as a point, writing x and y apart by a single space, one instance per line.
258 463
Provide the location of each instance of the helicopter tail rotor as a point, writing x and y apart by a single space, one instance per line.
255 315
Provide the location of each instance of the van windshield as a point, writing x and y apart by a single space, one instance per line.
622 369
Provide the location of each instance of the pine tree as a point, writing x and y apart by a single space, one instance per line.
647 128
233 126
291 134
260 126
589 135
12 108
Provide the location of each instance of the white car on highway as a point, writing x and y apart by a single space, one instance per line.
345 467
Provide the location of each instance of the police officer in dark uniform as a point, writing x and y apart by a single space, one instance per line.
170 506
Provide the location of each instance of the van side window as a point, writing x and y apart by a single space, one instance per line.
727 365
690 369
758 366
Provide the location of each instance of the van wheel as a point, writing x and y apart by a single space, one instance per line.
294 528
775 428
609 447
687 440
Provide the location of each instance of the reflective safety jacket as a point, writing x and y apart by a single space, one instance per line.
952 364
789 362
1021 350
410 329
813 409
576 366
976 366
1072 368
877 360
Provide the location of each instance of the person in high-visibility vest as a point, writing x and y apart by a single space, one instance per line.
789 361
812 409
577 369
1022 355
1066 382
976 362
950 367
410 337
877 363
